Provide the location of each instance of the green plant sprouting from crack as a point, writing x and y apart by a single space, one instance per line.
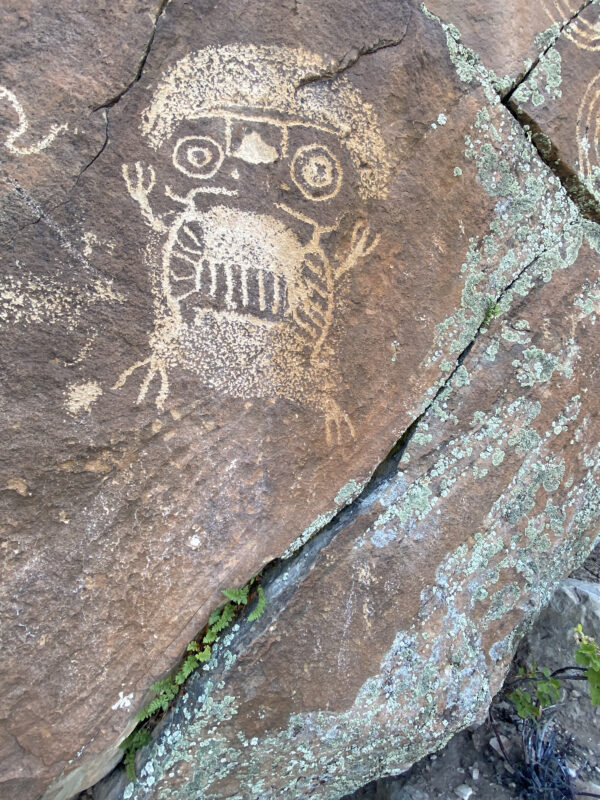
545 771
198 652
492 310
545 686
134 742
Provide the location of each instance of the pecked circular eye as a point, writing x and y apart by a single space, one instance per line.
197 156
316 172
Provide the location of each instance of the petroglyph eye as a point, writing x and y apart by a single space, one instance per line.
316 172
198 156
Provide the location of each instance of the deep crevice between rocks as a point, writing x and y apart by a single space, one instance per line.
525 75
587 205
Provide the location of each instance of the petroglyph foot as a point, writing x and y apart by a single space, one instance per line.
362 244
140 188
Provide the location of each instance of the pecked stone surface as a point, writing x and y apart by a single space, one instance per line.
393 627
221 307
560 101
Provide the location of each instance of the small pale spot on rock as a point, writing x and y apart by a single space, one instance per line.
17 485
463 791
81 396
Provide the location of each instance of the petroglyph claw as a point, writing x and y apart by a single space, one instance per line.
361 245
336 421
154 368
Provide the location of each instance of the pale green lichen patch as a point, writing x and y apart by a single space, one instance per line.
544 82
538 366
346 495
461 376
348 492
319 523
497 457
466 62
545 39
536 230
588 300
511 334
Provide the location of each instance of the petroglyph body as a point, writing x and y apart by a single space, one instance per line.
246 295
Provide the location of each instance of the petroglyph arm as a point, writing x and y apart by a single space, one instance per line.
22 127
140 188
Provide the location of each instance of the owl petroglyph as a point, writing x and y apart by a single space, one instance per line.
262 176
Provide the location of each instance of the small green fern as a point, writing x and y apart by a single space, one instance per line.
186 669
261 604
210 636
492 310
225 619
197 653
239 596
137 739
166 691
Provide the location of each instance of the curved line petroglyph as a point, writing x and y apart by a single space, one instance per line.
246 298
583 33
588 131
23 126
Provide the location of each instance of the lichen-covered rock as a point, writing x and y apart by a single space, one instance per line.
508 37
300 233
560 100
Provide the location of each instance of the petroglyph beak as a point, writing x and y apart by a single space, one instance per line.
254 150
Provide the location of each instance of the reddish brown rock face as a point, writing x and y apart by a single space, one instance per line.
217 322
393 629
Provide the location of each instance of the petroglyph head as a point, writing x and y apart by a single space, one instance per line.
263 106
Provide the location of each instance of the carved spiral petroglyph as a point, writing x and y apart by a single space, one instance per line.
246 297
584 33
588 131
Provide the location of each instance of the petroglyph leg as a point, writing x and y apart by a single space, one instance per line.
336 422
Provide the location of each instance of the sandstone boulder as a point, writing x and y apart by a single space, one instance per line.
257 251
